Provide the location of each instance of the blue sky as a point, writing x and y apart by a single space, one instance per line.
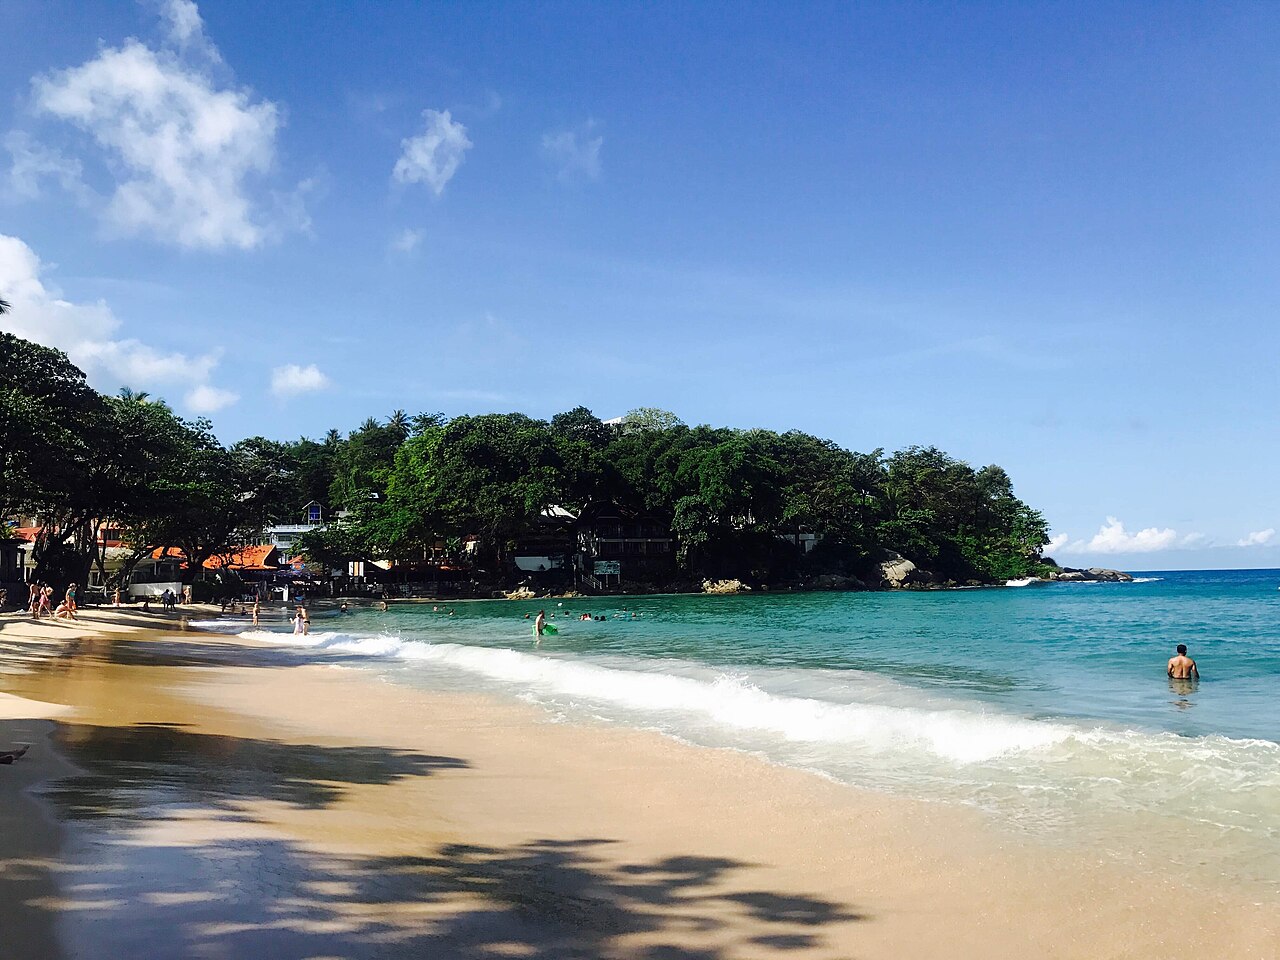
1040 235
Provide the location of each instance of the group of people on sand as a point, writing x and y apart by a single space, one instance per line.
40 602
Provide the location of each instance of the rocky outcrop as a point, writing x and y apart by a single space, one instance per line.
1070 574
724 586
898 571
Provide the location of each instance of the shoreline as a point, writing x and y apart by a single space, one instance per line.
493 828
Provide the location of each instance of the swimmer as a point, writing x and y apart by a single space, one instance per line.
382 605
1182 667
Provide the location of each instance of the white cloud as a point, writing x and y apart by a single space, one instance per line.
183 149
1258 538
434 156
291 380
207 399
406 241
1056 542
574 153
89 332
1113 538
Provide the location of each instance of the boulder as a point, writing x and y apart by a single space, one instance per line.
1113 576
1093 573
724 586
897 571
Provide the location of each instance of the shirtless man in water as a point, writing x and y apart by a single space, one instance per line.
1183 667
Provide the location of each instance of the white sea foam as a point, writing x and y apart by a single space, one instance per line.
1022 582
1043 775
952 734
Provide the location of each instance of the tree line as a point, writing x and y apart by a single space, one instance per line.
736 501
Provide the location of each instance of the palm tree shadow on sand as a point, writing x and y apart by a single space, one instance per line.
141 894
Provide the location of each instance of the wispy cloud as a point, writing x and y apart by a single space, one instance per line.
32 163
292 380
1259 538
89 333
185 28
433 157
185 149
407 240
574 153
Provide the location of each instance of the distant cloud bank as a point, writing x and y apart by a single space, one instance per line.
1259 538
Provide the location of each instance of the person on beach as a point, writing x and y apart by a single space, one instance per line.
1182 667
257 607
306 622
46 599
33 599
297 622
115 598
539 625
64 612
70 599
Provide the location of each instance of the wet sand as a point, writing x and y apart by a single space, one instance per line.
205 796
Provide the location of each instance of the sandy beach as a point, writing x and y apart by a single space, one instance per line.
200 795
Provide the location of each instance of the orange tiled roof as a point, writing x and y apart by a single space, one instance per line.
246 558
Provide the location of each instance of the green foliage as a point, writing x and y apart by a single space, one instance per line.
650 418
737 502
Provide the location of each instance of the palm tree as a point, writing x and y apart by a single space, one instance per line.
4 306
399 422
134 396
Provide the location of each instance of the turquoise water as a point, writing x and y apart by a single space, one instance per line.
1046 705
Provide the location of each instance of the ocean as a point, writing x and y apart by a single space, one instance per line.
1045 706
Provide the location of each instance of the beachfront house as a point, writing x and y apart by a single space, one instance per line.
546 553
615 542
257 567
283 536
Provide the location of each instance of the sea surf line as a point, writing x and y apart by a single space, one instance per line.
1045 705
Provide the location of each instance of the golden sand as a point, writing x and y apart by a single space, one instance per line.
206 796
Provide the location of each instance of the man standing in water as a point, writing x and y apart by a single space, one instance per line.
1183 667
539 625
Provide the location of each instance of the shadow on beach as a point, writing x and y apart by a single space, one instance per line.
544 899
149 770
232 888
